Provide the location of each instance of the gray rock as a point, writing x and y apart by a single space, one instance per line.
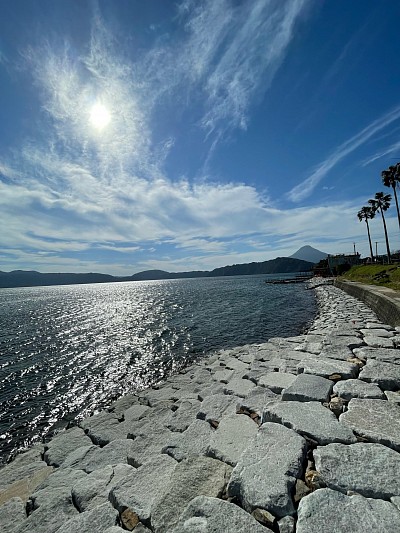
214 407
386 375
12 514
391 355
155 396
326 368
233 435
368 469
393 396
378 325
90 458
239 387
255 401
378 342
143 448
266 472
184 415
287 524
20 479
140 488
197 476
276 381
205 514
235 364
330 511
194 441
355 388
104 427
307 387
93 490
223 375
122 404
336 352
351 341
376 420
377 332
63 444
210 390
93 521
135 412
310 347
310 419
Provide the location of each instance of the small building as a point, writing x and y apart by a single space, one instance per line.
339 263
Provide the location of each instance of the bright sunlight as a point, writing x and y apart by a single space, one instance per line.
99 116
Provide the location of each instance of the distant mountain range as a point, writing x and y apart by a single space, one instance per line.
284 265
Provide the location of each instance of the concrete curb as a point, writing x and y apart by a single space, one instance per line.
385 302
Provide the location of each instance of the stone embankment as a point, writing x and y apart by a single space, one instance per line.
296 434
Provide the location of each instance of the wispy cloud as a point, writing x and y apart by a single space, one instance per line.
392 149
305 188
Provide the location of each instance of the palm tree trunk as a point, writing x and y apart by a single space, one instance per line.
386 236
369 238
397 204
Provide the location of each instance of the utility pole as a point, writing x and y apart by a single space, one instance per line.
354 246
376 250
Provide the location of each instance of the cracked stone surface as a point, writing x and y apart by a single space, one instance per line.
197 476
370 469
138 490
385 375
356 388
266 472
231 438
214 515
331 511
310 419
376 420
308 388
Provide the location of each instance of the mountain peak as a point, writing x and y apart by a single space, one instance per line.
308 253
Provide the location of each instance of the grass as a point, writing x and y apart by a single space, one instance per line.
381 275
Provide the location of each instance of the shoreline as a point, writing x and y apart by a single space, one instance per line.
280 436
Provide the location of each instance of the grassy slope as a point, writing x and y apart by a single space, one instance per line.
382 275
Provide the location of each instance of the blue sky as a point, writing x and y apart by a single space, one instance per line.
192 134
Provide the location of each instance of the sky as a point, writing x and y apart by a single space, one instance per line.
192 134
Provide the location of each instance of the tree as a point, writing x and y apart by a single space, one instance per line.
367 213
381 203
391 178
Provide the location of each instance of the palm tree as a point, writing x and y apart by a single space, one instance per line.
366 213
391 178
381 203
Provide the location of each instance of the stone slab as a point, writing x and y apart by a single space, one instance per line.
193 441
231 438
266 472
276 381
205 514
138 490
214 407
93 521
369 469
385 375
12 514
104 427
239 387
63 444
376 420
390 355
186 413
377 332
332 512
356 388
378 342
310 419
308 388
197 476
326 368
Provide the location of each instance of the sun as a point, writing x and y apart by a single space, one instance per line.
99 116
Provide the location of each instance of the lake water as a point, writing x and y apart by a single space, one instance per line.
66 351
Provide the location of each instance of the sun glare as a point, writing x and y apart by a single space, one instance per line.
99 116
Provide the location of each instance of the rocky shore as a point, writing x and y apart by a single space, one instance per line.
297 434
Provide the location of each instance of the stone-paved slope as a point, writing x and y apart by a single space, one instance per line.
296 434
